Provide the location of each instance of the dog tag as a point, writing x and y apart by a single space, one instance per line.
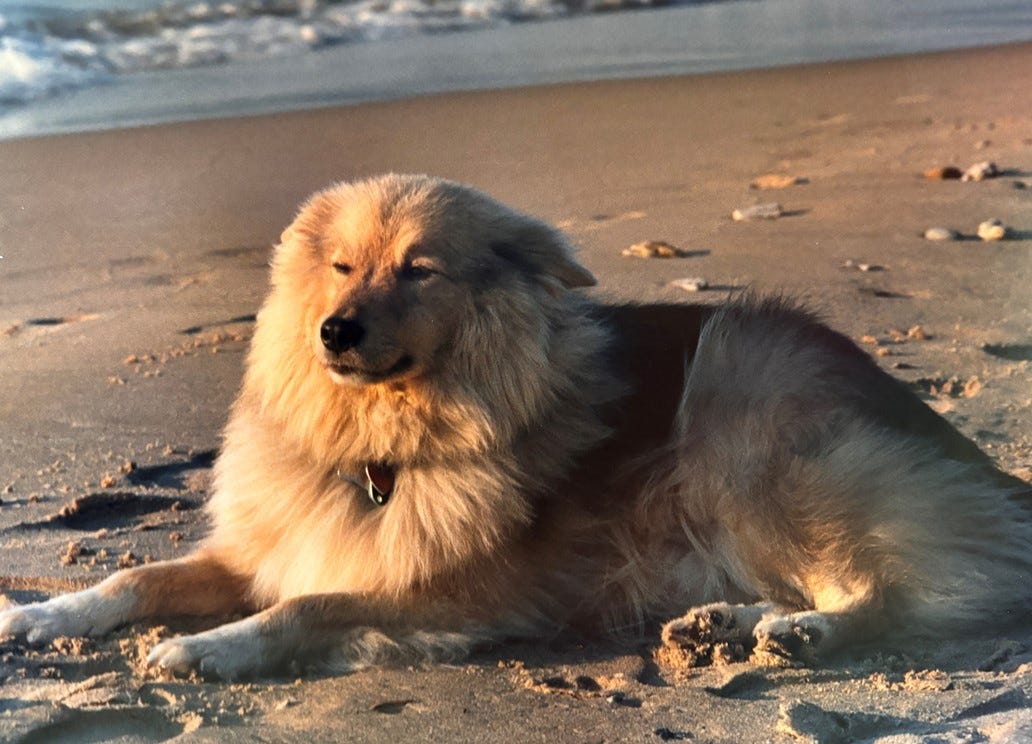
379 482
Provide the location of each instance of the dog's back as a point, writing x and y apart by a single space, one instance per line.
816 481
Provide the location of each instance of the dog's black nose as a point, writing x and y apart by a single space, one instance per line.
339 334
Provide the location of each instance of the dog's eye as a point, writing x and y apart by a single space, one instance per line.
342 268
416 272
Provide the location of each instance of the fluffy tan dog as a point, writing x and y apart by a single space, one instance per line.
440 442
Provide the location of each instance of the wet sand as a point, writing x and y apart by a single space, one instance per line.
133 262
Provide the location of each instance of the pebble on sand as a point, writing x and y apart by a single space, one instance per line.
992 229
981 171
690 283
943 173
654 249
776 181
769 211
940 233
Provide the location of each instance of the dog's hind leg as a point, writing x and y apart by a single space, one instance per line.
799 638
196 585
333 632
762 632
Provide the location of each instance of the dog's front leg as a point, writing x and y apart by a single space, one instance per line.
196 585
332 632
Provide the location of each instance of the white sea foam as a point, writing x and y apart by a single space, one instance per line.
33 68
41 54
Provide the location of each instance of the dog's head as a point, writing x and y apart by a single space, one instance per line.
394 273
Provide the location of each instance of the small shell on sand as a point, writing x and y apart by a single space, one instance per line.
943 173
992 229
769 211
940 233
690 283
861 266
981 171
775 181
654 249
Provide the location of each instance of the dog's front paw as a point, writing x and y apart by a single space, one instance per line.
790 640
711 623
228 652
705 635
85 613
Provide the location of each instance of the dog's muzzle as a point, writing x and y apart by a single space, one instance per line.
339 334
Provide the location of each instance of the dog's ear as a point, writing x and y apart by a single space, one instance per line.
311 220
296 233
543 252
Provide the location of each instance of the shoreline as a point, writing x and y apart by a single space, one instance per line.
133 261
676 39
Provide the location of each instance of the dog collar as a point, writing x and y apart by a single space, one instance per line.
378 483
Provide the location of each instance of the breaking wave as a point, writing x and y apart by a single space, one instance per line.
46 51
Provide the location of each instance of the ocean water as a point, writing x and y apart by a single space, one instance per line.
71 65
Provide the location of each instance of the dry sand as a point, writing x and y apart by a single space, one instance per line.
133 262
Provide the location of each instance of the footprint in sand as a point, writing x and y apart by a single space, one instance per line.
46 325
195 329
61 321
138 269
830 120
67 724
247 255
116 509
912 99
1010 352
599 221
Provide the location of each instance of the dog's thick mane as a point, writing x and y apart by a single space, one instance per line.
467 408
475 443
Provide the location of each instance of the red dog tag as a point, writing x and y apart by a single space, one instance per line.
379 482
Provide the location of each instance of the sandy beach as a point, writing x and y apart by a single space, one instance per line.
133 262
